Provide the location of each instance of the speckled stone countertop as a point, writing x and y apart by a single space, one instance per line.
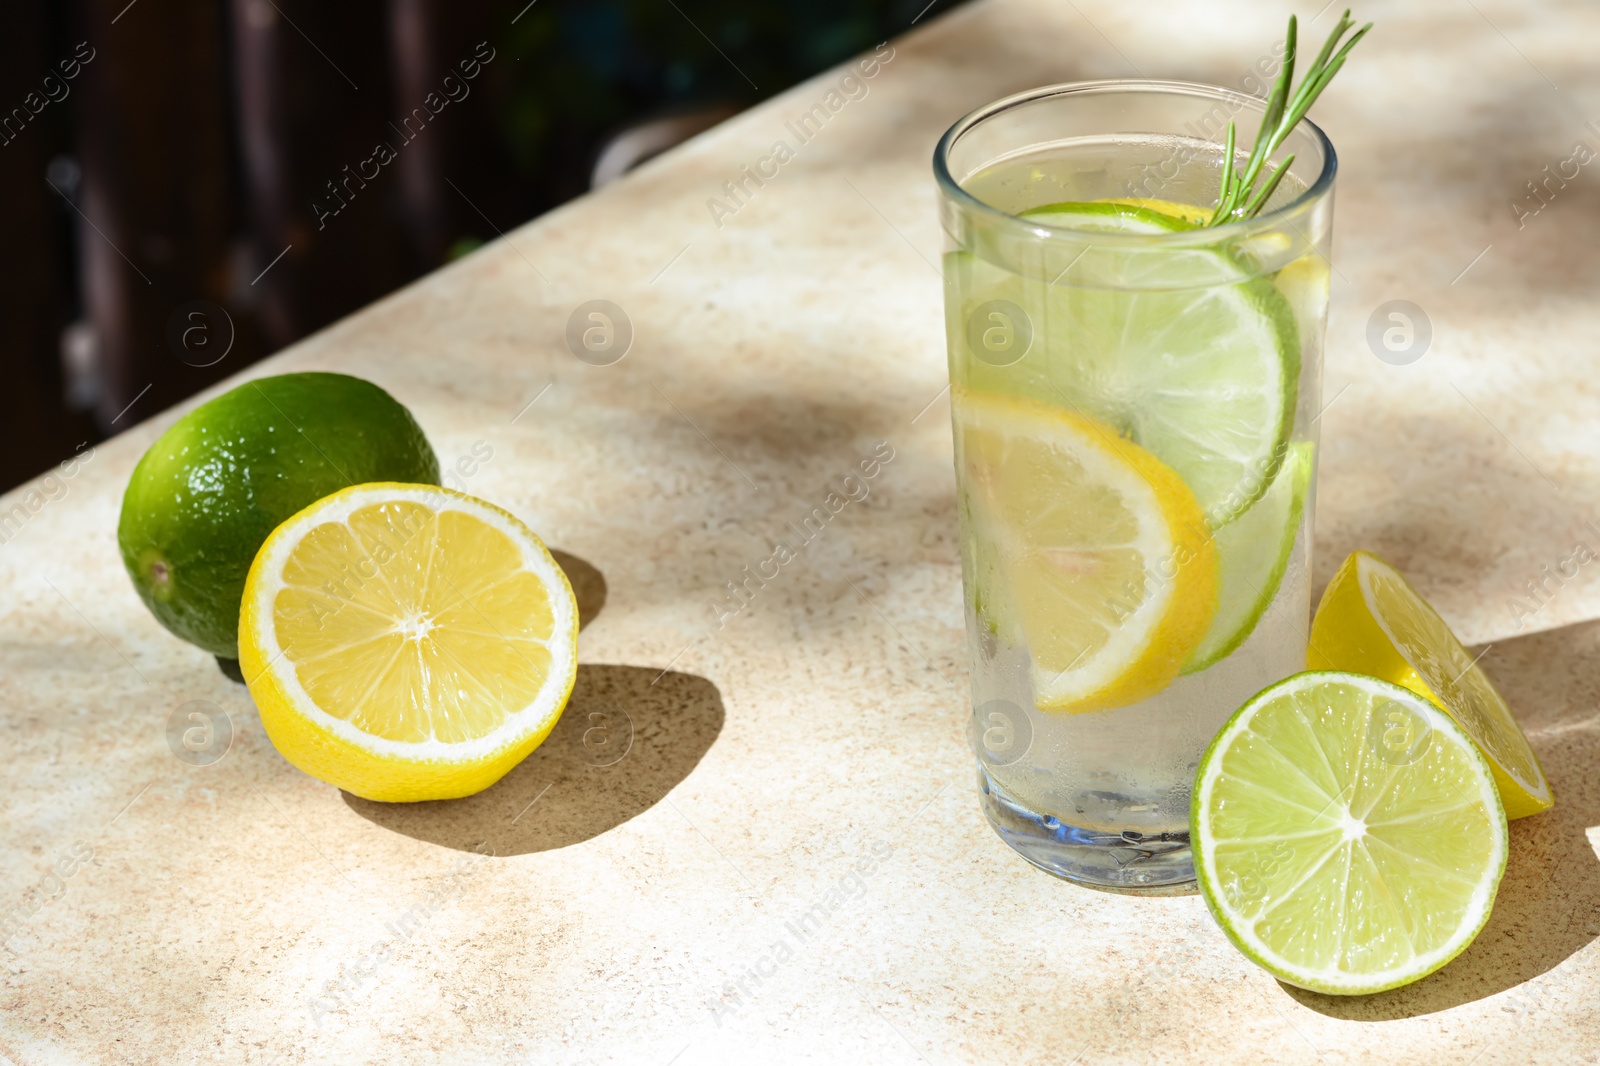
805 755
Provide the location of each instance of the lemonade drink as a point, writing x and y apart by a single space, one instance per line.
1134 400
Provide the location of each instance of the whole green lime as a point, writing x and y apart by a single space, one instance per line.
207 494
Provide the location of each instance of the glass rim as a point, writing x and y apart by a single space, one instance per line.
1312 194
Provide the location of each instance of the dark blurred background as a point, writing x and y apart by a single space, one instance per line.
186 179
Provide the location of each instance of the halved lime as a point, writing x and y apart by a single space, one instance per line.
1182 350
1372 620
1348 837
1252 555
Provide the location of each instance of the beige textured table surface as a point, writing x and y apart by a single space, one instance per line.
642 912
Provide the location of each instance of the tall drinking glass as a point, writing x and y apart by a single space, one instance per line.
1134 398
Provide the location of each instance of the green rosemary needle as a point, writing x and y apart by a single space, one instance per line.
1284 110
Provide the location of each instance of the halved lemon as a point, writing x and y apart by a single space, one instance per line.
1373 622
1082 548
407 642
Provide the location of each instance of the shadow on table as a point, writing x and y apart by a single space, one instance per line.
628 736
1548 906
588 585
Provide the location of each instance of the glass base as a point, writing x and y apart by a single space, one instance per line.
1131 862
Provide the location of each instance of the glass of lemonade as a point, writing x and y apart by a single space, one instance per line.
1134 398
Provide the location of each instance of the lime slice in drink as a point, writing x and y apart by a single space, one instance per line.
1372 620
1252 555
1083 549
1347 833
1182 350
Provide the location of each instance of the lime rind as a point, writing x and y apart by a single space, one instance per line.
1283 813
205 496
1253 552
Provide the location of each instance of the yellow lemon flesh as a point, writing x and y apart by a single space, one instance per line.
1189 213
407 642
1082 548
1371 621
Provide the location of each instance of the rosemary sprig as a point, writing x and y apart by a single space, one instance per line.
1284 110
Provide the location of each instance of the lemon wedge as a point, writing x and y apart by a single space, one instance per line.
1082 548
1371 621
407 642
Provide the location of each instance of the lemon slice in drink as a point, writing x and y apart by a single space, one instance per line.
1182 350
1348 837
1372 621
1095 556
1304 284
1252 556
407 642
1189 213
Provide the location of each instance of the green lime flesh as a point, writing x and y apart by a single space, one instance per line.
206 495
1348 835
1253 553
1182 350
